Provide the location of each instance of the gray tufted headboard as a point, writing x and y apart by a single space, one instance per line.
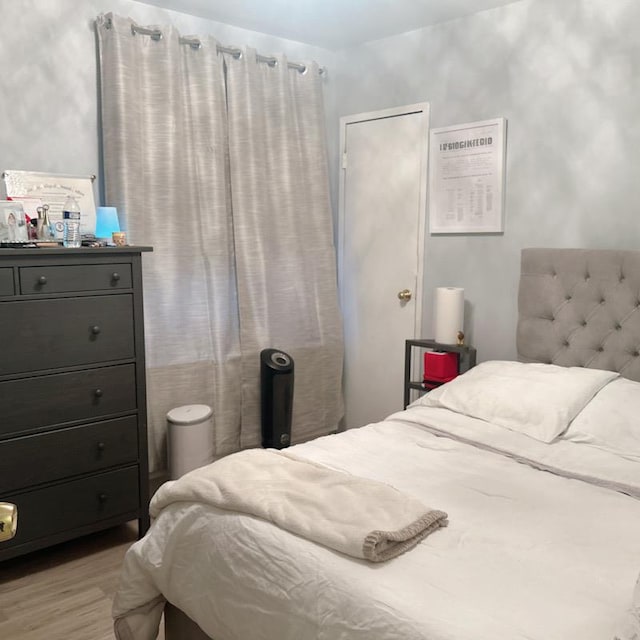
580 308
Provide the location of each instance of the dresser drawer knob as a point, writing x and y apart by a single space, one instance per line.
101 446
102 497
97 393
115 276
95 330
42 280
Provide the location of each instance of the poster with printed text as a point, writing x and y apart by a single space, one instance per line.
466 177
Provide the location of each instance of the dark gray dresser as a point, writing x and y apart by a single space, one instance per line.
73 427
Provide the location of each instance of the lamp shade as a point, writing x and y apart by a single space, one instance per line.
106 222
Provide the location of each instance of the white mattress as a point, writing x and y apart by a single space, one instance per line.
527 554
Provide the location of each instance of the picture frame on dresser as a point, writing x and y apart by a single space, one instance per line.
13 223
73 439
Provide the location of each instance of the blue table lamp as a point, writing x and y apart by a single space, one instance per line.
106 222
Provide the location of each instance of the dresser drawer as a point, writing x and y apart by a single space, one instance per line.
73 451
31 403
66 506
6 282
47 334
74 278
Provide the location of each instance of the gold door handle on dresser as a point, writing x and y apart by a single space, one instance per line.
8 521
404 295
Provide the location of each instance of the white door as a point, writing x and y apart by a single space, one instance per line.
380 253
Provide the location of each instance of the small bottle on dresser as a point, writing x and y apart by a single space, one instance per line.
71 218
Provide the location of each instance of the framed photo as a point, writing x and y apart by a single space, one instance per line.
466 177
13 222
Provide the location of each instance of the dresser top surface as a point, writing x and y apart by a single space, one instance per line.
64 251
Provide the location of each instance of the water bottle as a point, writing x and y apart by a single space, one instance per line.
71 220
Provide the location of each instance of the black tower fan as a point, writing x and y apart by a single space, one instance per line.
276 394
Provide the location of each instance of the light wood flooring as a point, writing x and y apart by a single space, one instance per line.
65 592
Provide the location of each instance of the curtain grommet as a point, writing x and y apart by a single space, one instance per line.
194 43
154 34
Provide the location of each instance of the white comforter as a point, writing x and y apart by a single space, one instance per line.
527 555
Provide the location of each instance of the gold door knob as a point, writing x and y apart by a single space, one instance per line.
404 295
8 521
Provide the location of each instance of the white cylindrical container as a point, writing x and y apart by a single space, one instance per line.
448 317
189 438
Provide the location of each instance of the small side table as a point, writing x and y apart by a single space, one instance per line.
466 360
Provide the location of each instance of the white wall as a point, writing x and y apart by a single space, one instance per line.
48 78
566 75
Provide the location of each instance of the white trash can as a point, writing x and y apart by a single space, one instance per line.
189 438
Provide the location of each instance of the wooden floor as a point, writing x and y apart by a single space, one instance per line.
65 592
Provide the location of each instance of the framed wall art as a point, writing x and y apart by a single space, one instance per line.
466 177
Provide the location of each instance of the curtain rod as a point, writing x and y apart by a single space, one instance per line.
156 34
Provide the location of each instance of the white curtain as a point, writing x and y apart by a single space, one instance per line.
220 164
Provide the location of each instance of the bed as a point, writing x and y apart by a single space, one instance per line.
536 464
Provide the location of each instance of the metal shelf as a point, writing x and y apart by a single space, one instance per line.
466 360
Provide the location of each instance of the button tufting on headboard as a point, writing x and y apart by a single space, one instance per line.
580 307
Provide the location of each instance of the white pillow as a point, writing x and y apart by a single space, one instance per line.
611 421
539 400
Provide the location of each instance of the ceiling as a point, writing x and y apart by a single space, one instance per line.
330 24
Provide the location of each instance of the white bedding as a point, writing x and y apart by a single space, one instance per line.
538 400
527 554
611 421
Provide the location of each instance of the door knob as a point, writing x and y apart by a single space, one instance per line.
404 295
8 521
